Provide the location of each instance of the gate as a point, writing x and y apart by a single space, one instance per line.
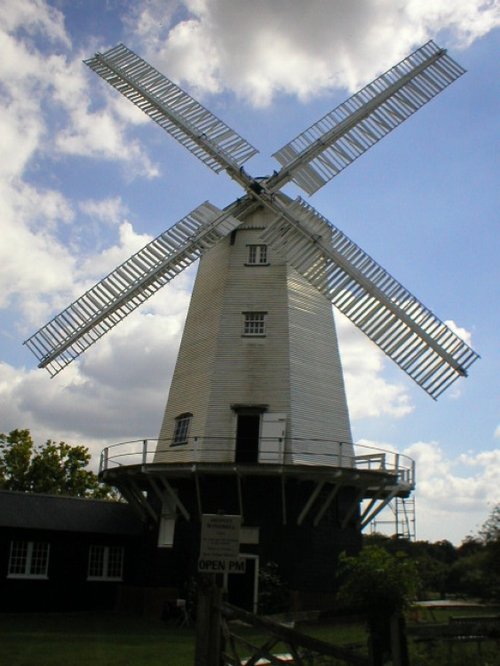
299 649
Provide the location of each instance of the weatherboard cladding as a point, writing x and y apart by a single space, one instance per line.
190 386
294 369
318 405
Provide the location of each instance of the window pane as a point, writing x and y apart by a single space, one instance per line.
181 429
28 558
115 562
105 562
257 254
39 559
18 557
254 323
96 561
252 254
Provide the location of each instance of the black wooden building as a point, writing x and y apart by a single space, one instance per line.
64 553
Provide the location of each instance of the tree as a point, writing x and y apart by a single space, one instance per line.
490 531
477 571
380 585
54 467
377 582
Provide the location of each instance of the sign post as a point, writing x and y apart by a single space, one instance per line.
220 545
219 554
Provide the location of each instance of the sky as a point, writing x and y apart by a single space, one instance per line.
86 180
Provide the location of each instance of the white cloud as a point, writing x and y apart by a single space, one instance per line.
110 211
440 480
260 49
34 16
100 264
29 219
453 497
32 78
35 229
115 393
369 394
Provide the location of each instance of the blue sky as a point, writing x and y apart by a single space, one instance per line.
86 179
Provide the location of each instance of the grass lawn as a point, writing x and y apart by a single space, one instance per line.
81 639
107 639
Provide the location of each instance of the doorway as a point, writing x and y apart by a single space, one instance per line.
247 438
243 589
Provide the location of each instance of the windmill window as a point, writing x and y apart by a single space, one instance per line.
257 255
254 323
105 563
181 429
28 559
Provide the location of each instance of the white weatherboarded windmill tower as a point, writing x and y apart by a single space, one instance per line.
256 422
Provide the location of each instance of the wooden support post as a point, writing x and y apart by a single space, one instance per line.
399 647
208 624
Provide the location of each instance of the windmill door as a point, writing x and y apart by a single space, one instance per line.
272 438
247 438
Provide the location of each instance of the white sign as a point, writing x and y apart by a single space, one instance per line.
220 537
213 565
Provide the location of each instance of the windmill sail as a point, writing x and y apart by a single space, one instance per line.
425 348
196 128
404 329
103 306
319 153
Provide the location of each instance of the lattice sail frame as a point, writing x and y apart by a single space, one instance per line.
103 306
206 136
425 348
399 324
319 153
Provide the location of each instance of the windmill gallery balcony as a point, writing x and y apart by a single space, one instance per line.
148 476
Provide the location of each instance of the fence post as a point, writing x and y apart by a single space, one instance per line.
208 622
144 451
399 646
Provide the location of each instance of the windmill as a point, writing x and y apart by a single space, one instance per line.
257 422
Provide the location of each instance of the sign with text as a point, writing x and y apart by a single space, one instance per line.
220 537
212 565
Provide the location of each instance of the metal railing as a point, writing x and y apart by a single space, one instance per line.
277 451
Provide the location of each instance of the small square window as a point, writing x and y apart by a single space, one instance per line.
257 254
254 323
28 559
181 429
105 563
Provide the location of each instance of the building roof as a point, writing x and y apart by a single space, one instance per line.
67 514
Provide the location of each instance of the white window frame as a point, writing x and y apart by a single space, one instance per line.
254 324
181 429
257 255
29 559
105 563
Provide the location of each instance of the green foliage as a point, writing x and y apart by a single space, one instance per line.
477 571
274 596
16 450
472 569
54 467
376 582
490 531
